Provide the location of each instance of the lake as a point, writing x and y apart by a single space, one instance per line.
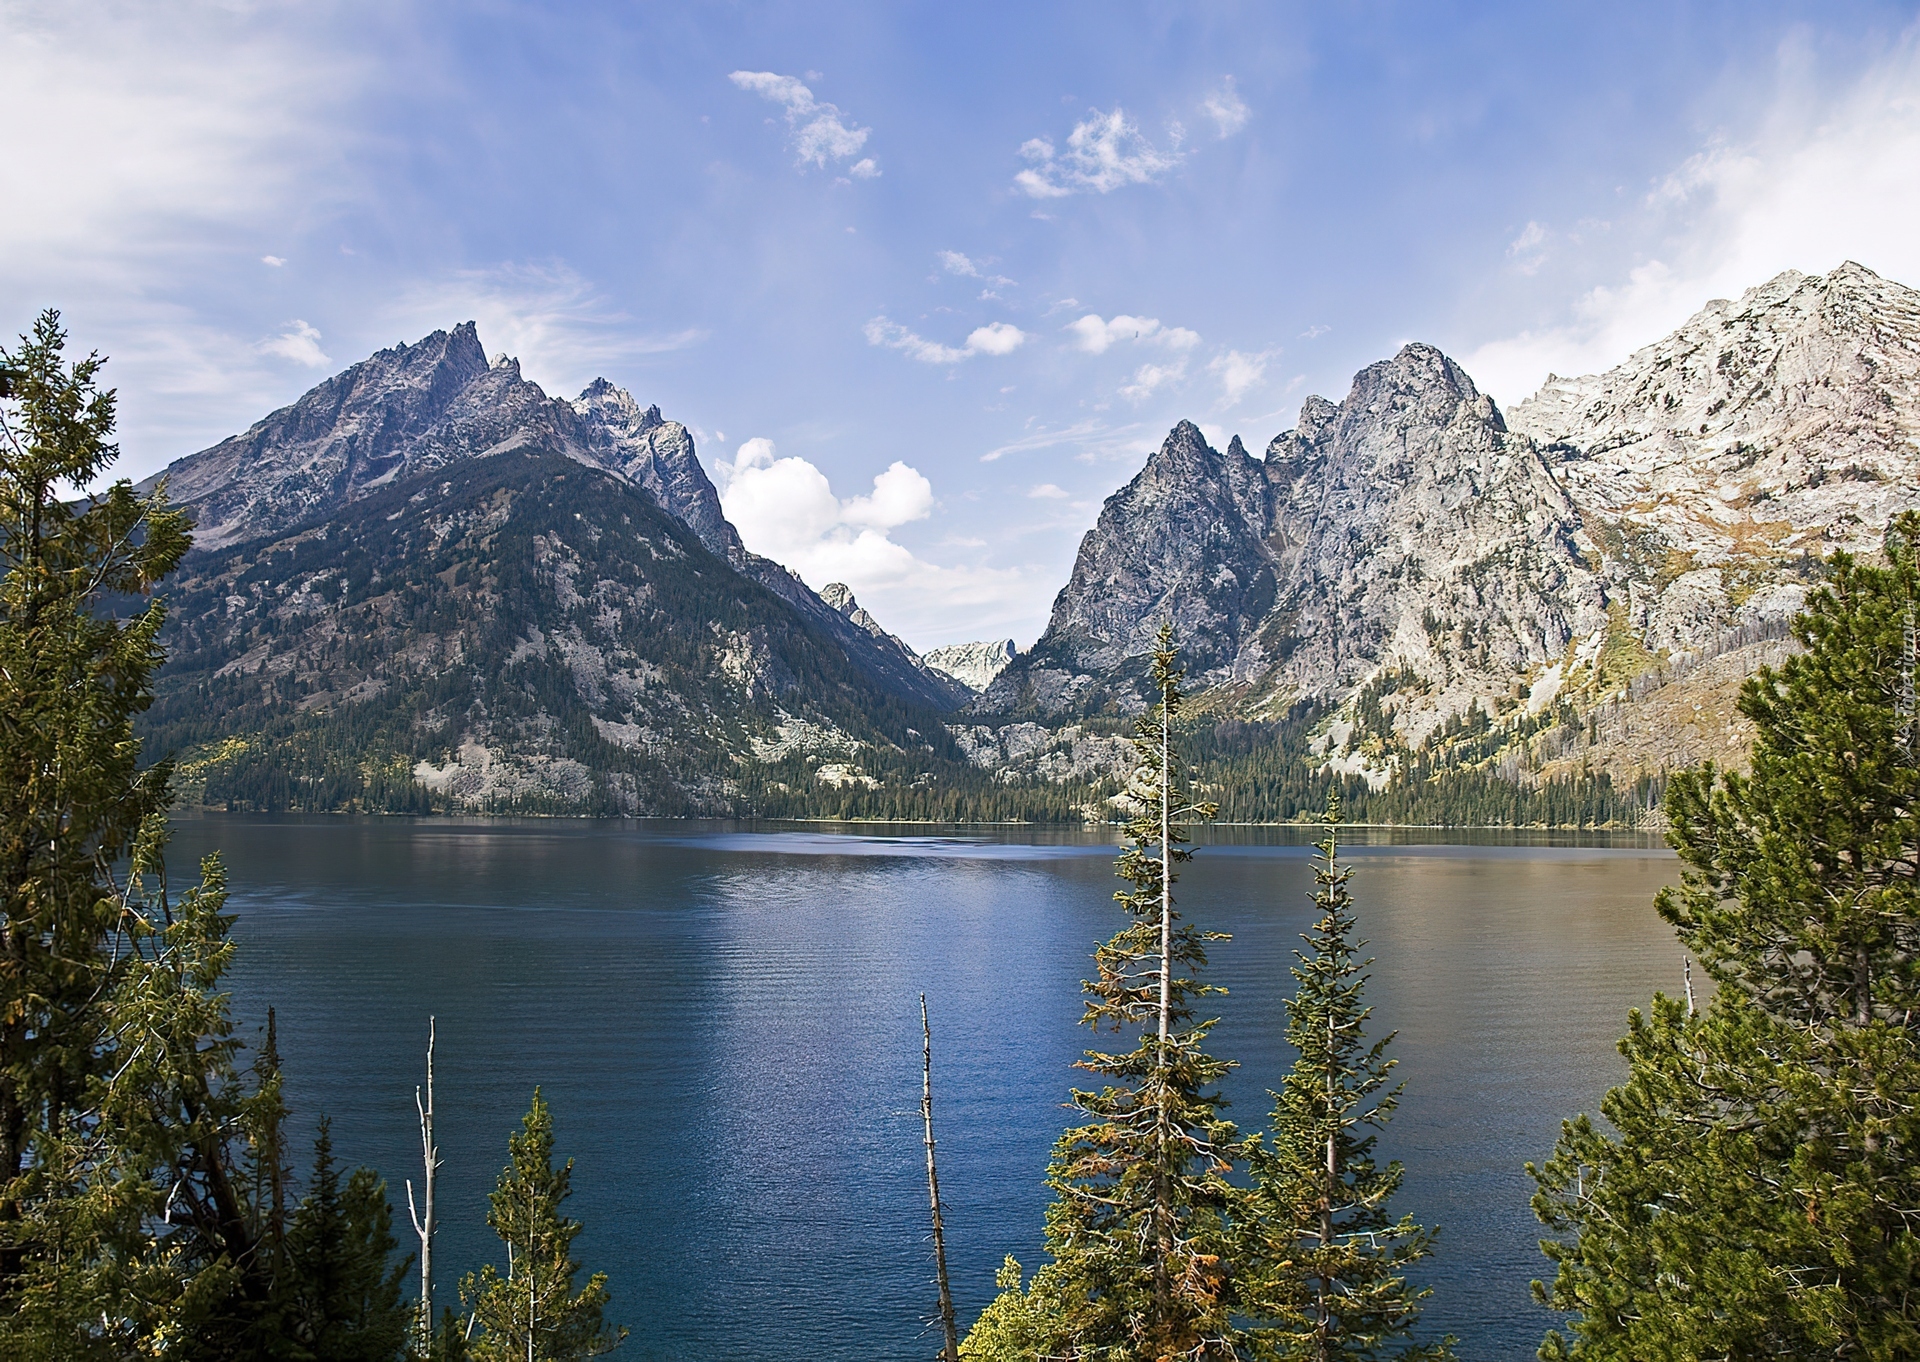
725 1020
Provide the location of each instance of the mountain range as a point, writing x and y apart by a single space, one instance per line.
428 584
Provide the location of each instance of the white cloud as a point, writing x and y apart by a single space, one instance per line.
1095 336
1238 373
273 260
900 495
299 343
995 338
1046 491
563 329
1228 111
820 131
953 262
1150 378
1827 175
1105 153
786 509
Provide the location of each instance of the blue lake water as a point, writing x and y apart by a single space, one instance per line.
725 1020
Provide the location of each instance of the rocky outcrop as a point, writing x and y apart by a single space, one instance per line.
1414 533
973 665
1709 466
647 449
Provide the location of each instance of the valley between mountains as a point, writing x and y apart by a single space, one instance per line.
428 585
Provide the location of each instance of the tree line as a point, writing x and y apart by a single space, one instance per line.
1750 1191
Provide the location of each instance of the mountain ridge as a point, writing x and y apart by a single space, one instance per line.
410 410
1444 606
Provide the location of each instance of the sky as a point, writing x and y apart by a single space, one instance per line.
928 282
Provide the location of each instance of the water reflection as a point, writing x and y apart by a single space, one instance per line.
725 1019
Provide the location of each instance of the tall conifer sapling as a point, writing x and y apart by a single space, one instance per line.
1325 1259
1138 1230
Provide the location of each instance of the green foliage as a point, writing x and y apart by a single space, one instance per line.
71 679
1323 1258
336 1299
1138 1230
1754 1195
134 1232
123 1220
533 1311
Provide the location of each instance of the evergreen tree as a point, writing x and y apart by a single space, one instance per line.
139 1167
72 676
137 1232
533 1311
336 1297
1138 1228
1324 1259
1755 1195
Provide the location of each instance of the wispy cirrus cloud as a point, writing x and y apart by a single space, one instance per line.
1150 378
821 132
1105 152
564 330
995 338
1239 373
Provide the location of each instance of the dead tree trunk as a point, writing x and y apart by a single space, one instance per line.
951 1353
424 1223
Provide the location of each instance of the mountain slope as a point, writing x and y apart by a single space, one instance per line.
1578 592
514 632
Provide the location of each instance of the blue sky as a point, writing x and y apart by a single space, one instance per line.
927 281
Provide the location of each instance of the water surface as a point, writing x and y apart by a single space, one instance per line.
725 1020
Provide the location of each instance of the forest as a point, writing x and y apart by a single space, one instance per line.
1748 1193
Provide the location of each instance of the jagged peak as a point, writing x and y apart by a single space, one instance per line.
1184 447
840 596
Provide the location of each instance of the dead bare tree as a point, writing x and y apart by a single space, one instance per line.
425 1224
951 1353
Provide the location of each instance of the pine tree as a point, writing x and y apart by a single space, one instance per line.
138 1232
533 1313
1755 1195
1323 1258
336 1297
73 673
139 1166
1138 1230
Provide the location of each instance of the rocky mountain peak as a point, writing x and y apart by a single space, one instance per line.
1329 564
1424 386
973 665
839 597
